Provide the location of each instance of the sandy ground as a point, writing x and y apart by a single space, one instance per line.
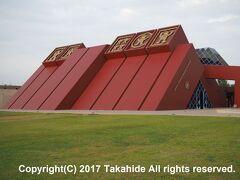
226 112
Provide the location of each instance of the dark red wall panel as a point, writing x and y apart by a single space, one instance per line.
32 89
24 87
222 72
169 91
119 83
44 92
237 92
142 82
69 90
98 84
216 94
227 73
184 82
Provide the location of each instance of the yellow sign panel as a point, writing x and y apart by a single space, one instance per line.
163 37
141 40
120 45
68 53
55 54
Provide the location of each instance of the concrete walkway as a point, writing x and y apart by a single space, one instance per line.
225 112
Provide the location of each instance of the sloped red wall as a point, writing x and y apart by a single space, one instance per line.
140 86
98 84
24 87
119 83
73 85
51 84
34 87
176 83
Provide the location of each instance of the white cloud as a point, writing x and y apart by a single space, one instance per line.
223 19
190 3
126 12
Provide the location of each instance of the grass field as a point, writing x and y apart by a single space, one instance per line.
35 139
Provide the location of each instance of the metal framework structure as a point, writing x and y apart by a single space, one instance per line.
200 99
210 56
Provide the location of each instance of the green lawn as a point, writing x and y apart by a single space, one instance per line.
35 139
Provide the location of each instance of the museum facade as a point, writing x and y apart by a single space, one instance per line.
152 70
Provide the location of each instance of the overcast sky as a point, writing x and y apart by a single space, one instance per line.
31 29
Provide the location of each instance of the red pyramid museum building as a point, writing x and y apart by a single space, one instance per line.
151 70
